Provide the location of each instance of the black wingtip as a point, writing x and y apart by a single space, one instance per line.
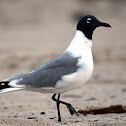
4 85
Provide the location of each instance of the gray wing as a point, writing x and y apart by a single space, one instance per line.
49 73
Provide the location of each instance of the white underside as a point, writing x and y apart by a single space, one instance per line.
79 47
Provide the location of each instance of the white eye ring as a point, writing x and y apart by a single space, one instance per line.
88 20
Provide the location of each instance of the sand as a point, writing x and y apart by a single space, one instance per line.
24 108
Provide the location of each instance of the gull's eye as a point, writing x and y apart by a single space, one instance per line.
88 20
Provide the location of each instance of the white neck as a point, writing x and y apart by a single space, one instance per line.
79 45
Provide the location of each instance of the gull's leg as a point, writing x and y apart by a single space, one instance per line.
69 106
57 103
58 109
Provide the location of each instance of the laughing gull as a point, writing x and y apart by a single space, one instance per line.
68 71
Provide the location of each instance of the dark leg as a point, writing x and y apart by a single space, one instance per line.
58 109
69 106
57 103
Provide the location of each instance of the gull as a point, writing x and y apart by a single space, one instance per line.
68 71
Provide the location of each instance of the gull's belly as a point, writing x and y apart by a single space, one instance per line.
74 80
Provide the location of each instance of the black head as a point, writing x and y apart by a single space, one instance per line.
88 24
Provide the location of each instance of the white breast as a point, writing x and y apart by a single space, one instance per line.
79 47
